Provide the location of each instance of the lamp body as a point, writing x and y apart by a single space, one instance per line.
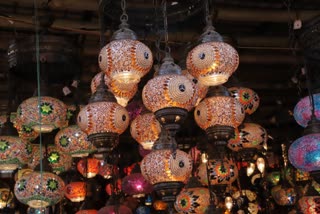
39 189
159 205
163 166
26 133
201 89
309 204
192 200
145 129
125 60
122 91
248 98
170 90
53 113
251 136
136 185
304 153
13 153
302 110
87 212
219 111
76 191
102 117
6 197
58 160
220 172
88 167
212 63
73 141
284 196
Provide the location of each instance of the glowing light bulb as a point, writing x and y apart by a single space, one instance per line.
204 158
228 202
250 169
261 165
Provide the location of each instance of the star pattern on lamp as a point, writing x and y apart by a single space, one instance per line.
54 157
4 145
46 108
63 141
52 185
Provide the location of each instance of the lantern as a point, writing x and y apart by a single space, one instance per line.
304 153
220 172
145 129
136 185
113 209
76 191
14 153
53 113
73 141
302 111
88 167
284 196
248 98
6 196
212 62
87 212
39 189
309 204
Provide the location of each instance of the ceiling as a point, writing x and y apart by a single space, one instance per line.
270 55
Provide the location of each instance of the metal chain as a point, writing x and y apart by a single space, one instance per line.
165 26
124 15
208 18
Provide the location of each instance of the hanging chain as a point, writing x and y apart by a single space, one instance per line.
308 78
124 15
165 26
208 18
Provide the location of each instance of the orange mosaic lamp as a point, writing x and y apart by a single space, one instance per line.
73 141
213 61
52 111
219 114
125 59
75 191
145 129
88 167
170 95
123 92
248 98
103 119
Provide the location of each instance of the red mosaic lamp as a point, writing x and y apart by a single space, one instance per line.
88 167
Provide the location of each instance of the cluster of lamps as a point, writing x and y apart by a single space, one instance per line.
167 97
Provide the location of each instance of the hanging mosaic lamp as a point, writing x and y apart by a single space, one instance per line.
170 95
103 120
145 129
302 111
136 185
87 212
58 160
250 139
213 61
202 90
309 204
39 189
88 167
123 92
284 196
221 172
53 113
193 198
75 191
166 167
248 98
304 153
6 196
125 59
73 141
26 133
107 170
14 153
219 114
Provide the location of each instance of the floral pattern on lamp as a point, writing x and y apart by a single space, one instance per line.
309 204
